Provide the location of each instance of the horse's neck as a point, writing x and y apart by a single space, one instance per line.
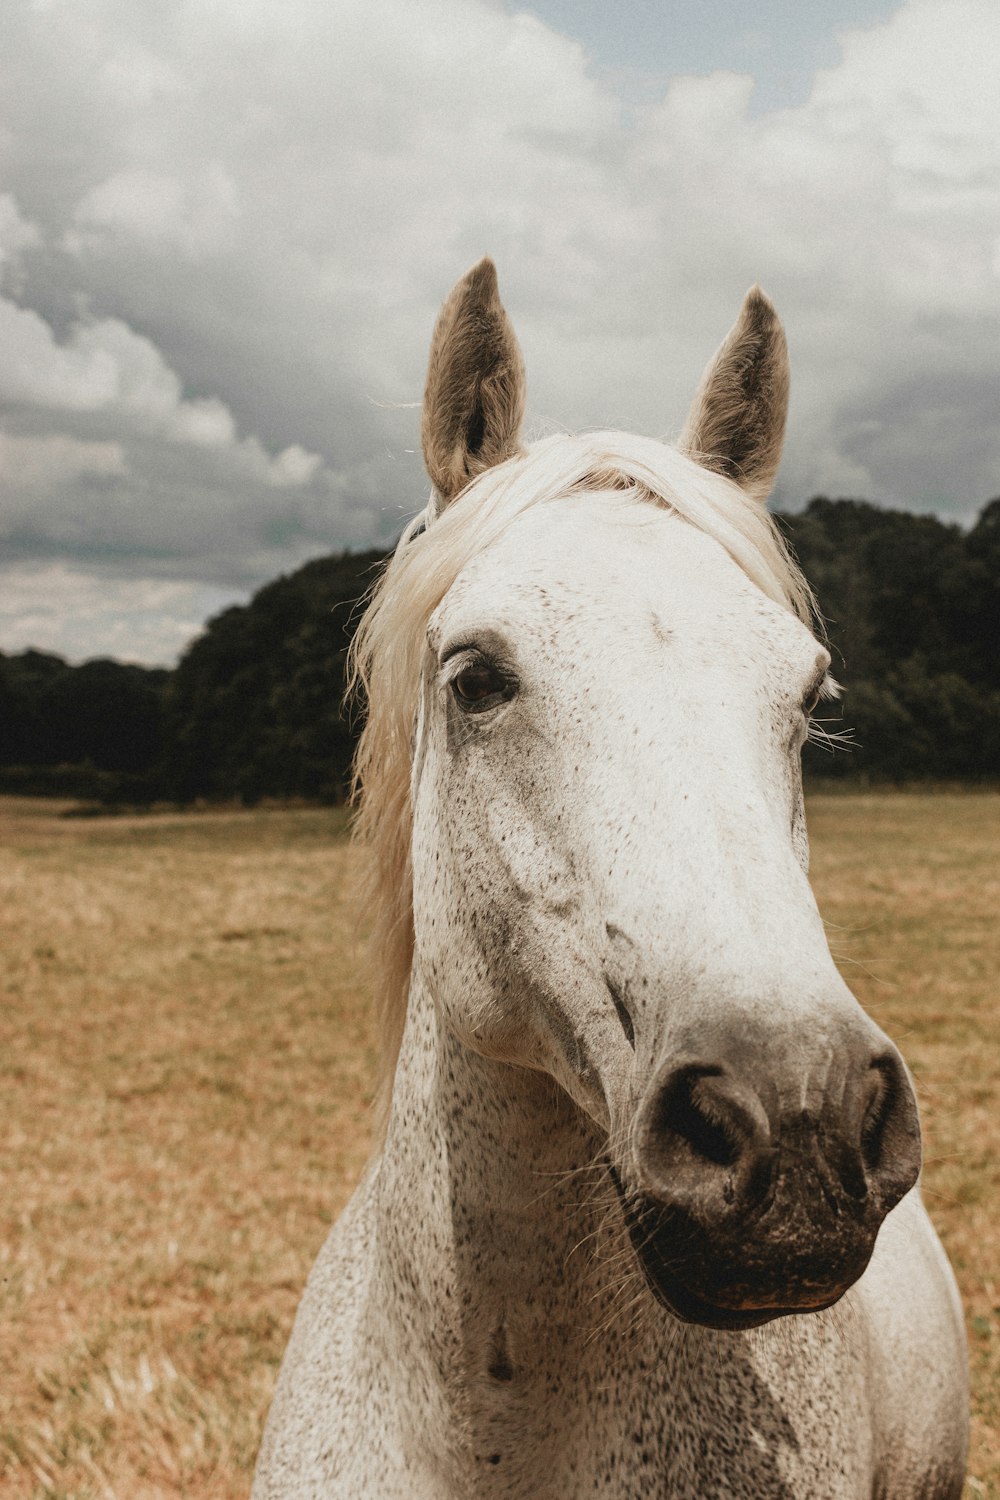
498 1229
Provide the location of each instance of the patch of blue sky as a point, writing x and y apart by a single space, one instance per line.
638 46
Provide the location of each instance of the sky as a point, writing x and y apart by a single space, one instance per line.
226 227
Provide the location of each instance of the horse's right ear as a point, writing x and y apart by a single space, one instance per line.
474 397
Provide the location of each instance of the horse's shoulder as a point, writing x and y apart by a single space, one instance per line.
307 1429
918 1359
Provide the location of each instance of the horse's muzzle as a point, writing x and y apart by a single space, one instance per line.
742 1209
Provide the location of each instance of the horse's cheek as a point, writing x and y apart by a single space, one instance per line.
484 880
459 947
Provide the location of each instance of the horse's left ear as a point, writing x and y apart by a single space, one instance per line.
736 424
474 397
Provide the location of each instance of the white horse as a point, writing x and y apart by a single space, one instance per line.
619 1237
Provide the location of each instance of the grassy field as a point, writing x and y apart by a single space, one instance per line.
184 1069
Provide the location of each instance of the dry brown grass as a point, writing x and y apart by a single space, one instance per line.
184 1069
184 1062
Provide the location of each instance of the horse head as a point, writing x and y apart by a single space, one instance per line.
615 674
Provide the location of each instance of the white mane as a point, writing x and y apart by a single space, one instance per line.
388 650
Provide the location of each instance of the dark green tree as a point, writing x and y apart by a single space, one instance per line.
255 705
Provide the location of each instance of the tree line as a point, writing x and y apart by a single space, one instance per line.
254 707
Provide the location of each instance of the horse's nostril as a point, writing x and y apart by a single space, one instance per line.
691 1113
698 1124
890 1131
877 1106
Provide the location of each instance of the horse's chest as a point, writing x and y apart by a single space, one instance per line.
572 1427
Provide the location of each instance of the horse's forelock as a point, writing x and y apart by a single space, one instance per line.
387 653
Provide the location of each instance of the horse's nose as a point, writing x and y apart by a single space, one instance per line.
707 1143
758 1189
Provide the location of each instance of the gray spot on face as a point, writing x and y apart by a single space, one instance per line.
662 632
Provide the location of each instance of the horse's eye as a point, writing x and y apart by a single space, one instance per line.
811 701
480 685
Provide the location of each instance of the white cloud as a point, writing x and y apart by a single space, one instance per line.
195 216
53 607
231 273
103 366
292 466
44 461
16 236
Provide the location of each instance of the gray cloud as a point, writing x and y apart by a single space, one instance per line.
225 231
